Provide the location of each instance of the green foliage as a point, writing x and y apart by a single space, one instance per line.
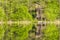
21 13
18 10
51 32
17 32
1 31
15 10
2 14
52 9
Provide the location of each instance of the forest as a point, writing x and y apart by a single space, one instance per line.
29 19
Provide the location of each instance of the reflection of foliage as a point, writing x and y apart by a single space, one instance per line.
17 32
18 10
51 32
15 10
1 31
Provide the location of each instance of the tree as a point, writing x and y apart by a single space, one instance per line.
1 32
51 32
2 14
15 11
17 32
21 13
52 9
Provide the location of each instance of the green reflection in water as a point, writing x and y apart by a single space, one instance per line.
51 32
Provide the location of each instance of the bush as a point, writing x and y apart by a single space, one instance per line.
52 9
2 14
1 32
51 32
17 32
